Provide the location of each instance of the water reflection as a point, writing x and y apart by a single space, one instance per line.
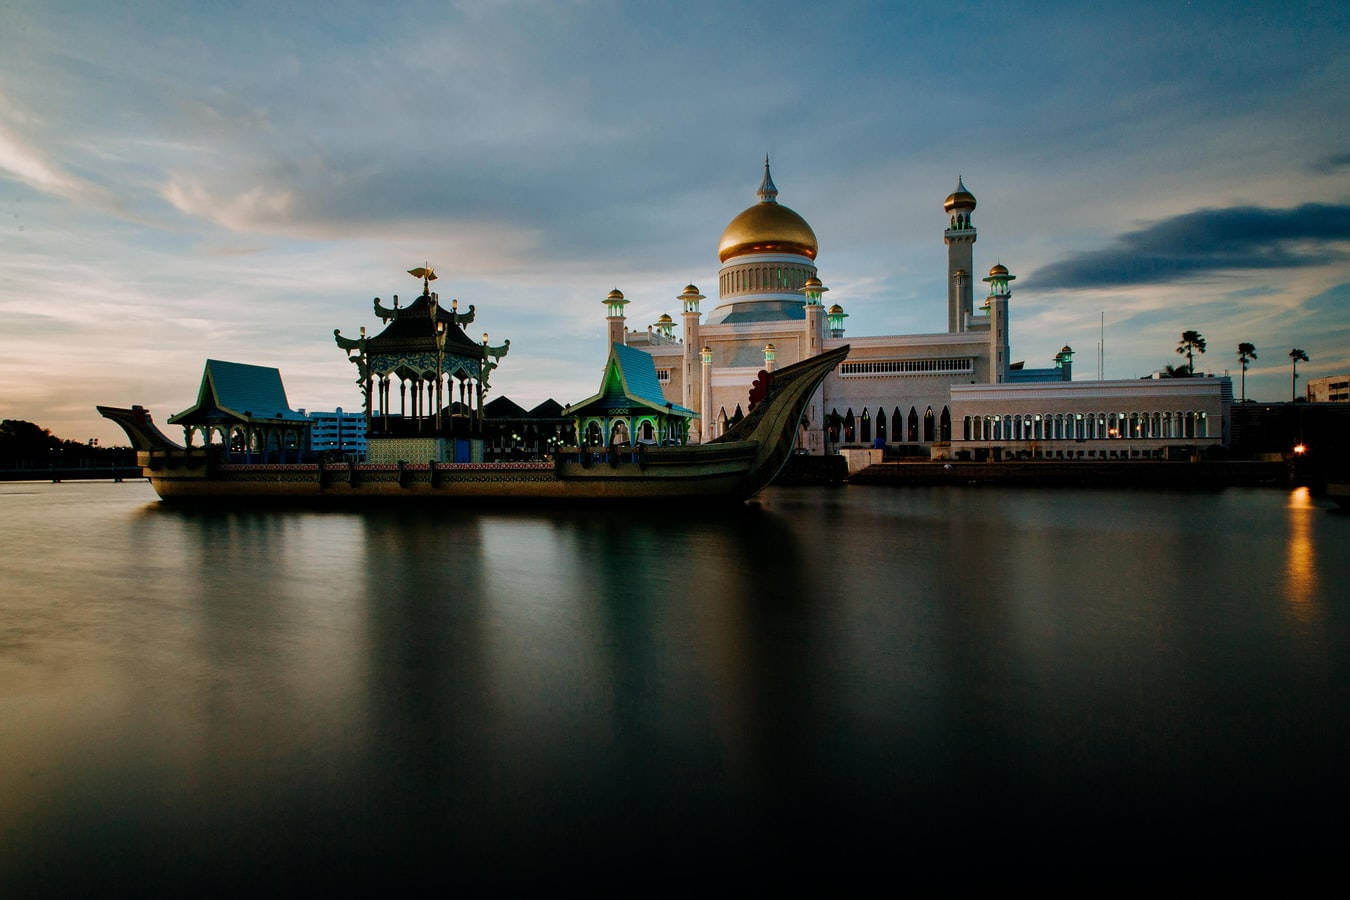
850 681
1301 588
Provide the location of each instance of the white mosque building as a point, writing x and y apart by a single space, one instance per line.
955 393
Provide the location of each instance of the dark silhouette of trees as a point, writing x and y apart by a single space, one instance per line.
1246 353
24 445
1191 343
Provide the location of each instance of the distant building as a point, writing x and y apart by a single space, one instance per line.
1332 389
338 432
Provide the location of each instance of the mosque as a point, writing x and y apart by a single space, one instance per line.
955 393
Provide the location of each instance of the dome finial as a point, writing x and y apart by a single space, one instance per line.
767 193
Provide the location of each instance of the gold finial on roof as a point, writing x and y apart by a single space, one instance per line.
426 273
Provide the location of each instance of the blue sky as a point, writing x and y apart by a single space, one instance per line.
235 180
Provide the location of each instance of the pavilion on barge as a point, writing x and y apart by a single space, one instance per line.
242 410
422 354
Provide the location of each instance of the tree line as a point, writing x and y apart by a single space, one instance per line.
24 445
1193 342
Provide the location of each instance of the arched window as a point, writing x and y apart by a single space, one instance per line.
618 434
945 425
593 437
897 425
833 421
881 424
929 426
913 425
646 431
865 428
965 429
849 426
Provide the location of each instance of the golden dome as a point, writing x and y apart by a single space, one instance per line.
690 289
1066 349
960 198
767 227
998 269
665 319
615 294
836 309
813 282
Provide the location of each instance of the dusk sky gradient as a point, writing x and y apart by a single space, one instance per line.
235 180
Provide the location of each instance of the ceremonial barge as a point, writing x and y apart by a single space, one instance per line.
626 442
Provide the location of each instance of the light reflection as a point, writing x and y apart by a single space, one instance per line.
1300 569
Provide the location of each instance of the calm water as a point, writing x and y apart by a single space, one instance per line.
911 684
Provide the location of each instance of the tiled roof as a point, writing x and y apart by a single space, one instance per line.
240 389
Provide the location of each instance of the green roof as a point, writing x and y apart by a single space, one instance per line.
630 378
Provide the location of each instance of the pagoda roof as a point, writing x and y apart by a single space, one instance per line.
232 391
412 329
629 380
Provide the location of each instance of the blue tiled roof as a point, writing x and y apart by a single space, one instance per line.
245 388
240 389
639 374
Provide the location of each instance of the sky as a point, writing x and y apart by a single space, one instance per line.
234 180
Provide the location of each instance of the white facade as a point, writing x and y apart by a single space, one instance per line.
1089 419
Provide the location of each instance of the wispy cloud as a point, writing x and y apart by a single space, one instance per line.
23 161
1207 241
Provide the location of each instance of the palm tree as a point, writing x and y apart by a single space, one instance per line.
1170 371
1191 341
1246 353
1295 355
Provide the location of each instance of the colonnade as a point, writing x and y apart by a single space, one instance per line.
1096 426
251 443
422 399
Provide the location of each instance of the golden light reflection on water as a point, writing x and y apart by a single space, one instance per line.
1300 568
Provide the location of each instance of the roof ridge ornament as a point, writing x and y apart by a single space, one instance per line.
426 273
767 193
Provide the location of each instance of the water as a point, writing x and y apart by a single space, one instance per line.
914 685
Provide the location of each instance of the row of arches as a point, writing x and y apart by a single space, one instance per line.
646 430
787 278
898 428
1086 426
251 443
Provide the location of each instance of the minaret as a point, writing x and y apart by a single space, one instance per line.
614 304
815 345
692 397
707 428
1064 362
960 239
837 317
770 357
999 292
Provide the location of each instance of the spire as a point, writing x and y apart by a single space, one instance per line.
767 192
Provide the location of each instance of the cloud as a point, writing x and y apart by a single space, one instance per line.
1208 240
1328 165
23 162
